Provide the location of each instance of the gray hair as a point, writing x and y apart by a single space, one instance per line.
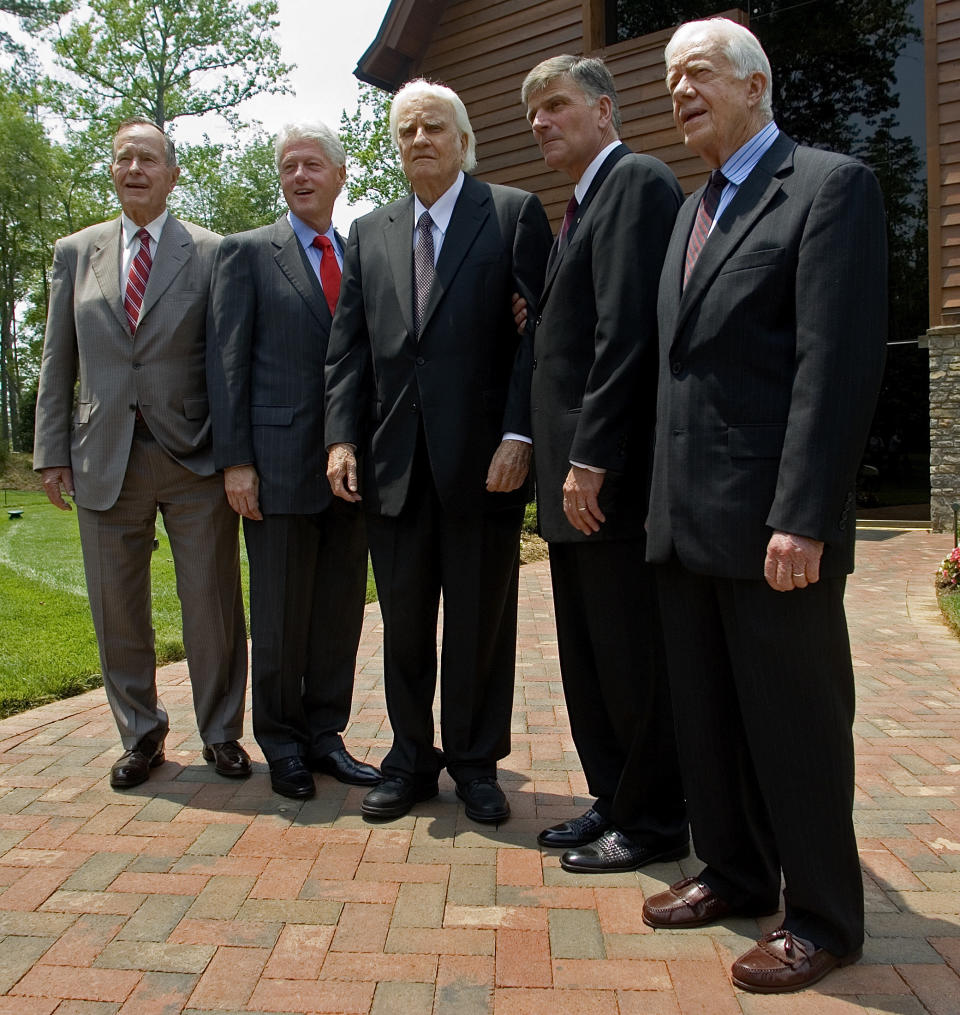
738 44
423 89
316 131
145 121
589 74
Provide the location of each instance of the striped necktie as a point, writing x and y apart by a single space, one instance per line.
704 220
137 281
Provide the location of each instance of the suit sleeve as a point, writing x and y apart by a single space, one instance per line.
58 369
841 313
531 247
348 354
631 233
231 317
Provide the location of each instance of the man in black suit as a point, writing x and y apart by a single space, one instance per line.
427 376
593 405
273 295
772 310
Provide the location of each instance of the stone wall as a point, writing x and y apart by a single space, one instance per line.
944 350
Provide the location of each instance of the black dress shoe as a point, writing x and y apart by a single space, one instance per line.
228 758
575 832
290 777
396 795
133 767
484 800
614 853
344 768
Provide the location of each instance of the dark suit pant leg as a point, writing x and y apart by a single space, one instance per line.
204 536
615 685
763 689
117 545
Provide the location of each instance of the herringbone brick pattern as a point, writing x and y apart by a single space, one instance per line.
196 894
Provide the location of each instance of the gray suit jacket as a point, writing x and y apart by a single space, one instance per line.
269 324
770 364
160 367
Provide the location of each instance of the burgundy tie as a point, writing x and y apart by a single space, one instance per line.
705 214
568 217
329 271
137 281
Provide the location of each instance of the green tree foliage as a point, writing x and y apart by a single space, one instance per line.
374 172
167 59
33 16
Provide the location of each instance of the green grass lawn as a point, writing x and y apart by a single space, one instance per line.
47 646
950 608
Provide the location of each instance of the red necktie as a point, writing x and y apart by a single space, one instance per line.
329 271
705 214
137 281
568 217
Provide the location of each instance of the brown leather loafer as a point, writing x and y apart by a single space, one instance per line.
781 962
690 903
133 767
228 759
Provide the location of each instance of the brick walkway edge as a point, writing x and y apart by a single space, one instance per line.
194 893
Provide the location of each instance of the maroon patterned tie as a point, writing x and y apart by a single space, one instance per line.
705 214
568 217
137 281
329 271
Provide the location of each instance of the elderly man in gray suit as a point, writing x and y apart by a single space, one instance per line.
272 300
127 309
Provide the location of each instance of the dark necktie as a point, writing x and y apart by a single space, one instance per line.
705 214
568 217
329 271
423 269
137 281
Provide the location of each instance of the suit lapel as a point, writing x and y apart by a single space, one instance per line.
105 262
752 197
294 264
398 236
173 251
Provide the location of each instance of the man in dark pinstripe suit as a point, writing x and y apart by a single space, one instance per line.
272 298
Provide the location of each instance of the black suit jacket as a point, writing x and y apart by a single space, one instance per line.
595 347
770 364
467 380
268 329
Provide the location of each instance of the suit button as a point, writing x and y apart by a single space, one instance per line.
136 366
538 320
676 367
414 407
534 364
132 408
420 361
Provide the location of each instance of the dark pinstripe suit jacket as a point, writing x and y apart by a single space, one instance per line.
268 329
770 364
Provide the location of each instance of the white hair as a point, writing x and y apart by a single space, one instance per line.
317 131
423 89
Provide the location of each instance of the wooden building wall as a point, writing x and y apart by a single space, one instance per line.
484 50
942 43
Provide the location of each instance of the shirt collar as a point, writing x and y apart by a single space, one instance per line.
583 184
154 228
305 234
743 161
442 209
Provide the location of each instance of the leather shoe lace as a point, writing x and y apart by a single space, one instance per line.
396 795
484 800
133 767
228 758
614 853
575 832
290 777
781 962
344 768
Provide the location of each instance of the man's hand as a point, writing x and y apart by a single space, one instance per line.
793 562
580 491
509 466
242 485
519 306
342 472
53 479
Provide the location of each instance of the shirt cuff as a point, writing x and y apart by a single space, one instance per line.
517 437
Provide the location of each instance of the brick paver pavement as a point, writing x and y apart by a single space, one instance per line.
194 893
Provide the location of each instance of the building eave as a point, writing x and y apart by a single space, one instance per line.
402 40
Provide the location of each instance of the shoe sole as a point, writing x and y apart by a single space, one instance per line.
155 762
673 854
304 794
754 988
210 759
398 812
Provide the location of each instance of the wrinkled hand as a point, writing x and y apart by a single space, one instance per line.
519 307
509 466
793 562
580 491
53 479
242 486
342 472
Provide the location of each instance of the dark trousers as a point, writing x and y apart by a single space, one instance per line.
474 561
308 578
615 685
763 690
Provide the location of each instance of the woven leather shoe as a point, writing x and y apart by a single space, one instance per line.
690 903
614 853
228 759
575 832
781 962
396 795
484 800
133 767
344 768
290 777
